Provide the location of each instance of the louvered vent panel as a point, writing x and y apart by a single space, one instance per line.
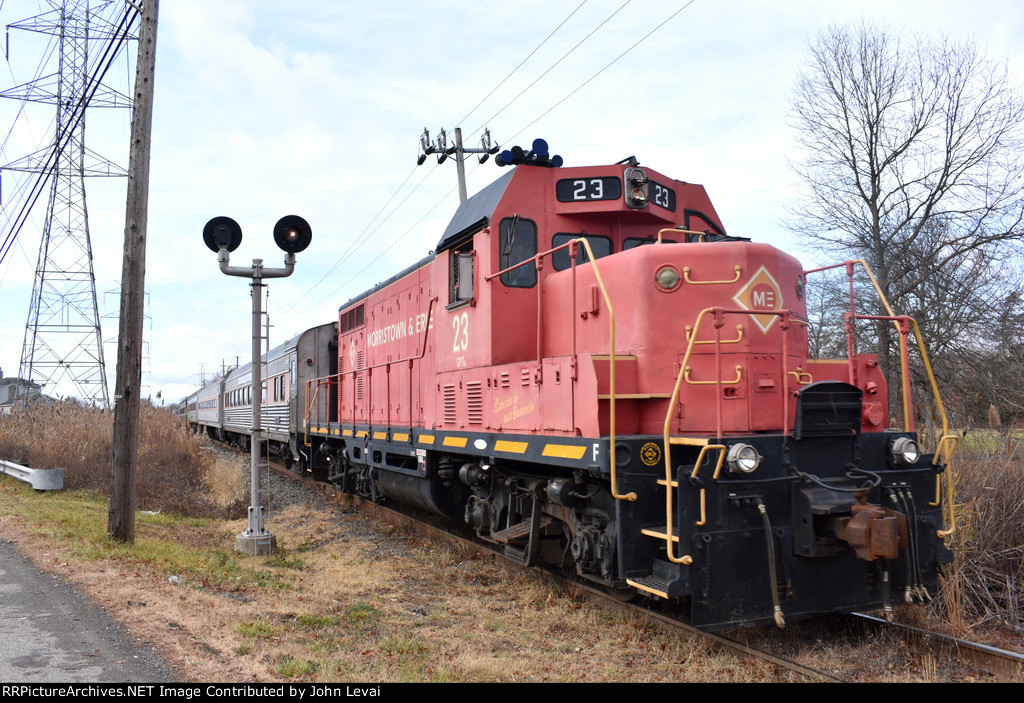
448 393
359 376
475 403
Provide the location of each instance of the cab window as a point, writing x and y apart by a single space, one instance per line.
518 243
633 242
460 275
602 247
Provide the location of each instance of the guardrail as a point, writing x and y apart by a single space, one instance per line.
39 479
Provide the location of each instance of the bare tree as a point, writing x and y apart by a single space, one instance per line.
912 159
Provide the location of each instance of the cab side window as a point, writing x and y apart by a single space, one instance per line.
460 275
518 242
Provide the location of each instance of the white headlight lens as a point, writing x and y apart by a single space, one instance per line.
905 451
743 459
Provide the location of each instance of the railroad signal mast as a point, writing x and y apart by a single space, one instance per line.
63 344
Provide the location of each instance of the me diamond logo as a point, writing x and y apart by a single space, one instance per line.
761 293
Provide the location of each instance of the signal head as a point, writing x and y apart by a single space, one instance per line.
292 234
222 232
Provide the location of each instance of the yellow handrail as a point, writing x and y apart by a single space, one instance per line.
946 439
948 472
631 496
675 230
718 470
739 377
611 342
705 446
739 337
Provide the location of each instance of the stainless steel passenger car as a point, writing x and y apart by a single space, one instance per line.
223 408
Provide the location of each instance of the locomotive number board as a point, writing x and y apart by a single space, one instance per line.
662 196
578 190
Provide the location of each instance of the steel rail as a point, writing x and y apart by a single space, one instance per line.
999 662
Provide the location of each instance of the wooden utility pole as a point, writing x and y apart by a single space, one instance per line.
125 454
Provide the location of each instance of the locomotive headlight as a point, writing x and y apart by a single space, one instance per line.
742 459
667 277
905 451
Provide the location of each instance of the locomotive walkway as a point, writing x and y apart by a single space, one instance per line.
51 633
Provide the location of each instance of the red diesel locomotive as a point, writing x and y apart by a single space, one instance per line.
591 373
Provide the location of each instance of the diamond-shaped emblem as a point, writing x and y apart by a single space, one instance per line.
760 293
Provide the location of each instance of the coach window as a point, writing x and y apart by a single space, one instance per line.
460 290
518 244
561 260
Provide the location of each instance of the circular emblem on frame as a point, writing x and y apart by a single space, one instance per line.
650 454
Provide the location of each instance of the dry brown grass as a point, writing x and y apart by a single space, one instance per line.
347 599
173 462
985 583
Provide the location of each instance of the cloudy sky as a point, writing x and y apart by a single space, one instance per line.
267 108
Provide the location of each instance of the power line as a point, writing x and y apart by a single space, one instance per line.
607 66
361 238
552 66
366 232
528 56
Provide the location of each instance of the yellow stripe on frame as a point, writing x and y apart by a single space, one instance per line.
347 433
503 445
564 451
455 441
380 435
400 437
427 438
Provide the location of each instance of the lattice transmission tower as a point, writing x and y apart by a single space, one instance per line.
63 344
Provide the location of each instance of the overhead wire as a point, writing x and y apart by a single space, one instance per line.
22 184
368 232
360 238
520 65
606 67
388 248
556 63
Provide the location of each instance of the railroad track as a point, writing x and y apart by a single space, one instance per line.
1001 663
990 662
